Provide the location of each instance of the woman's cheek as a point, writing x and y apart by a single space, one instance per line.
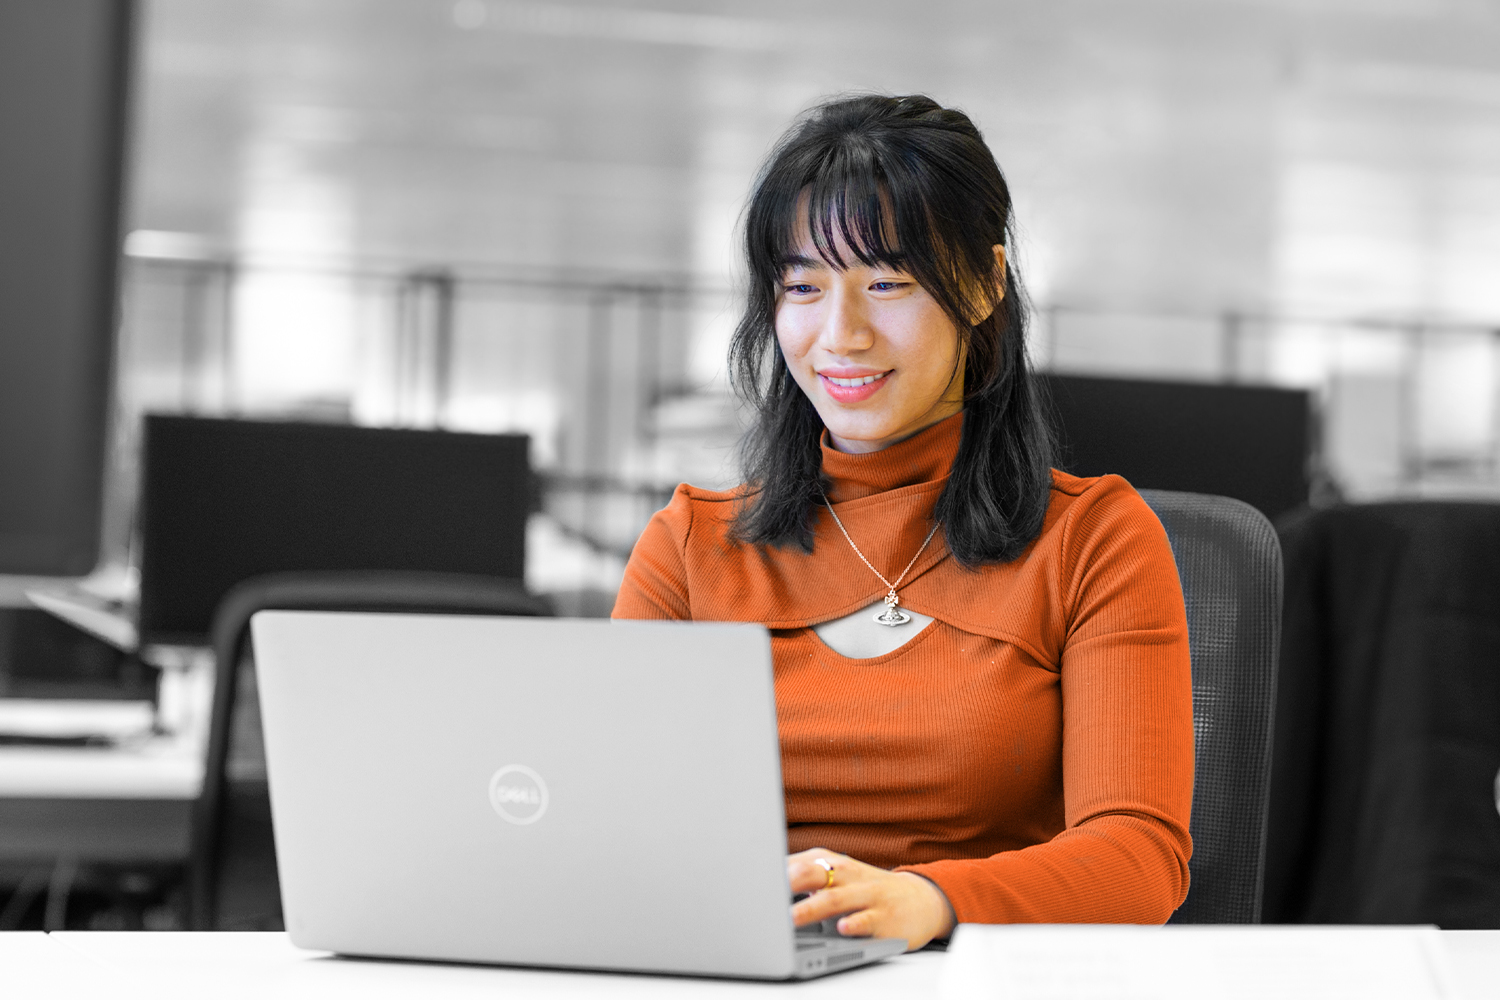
795 343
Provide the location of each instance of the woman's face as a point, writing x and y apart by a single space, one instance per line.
876 354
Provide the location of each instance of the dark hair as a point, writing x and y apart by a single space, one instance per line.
906 183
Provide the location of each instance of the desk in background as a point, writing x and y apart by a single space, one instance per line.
66 811
63 808
114 804
126 802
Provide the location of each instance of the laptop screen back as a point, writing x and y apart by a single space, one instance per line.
528 790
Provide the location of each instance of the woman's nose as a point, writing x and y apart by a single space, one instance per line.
847 328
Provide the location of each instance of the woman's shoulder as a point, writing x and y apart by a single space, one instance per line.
1101 525
656 580
694 518
1069 485
688 563
697 507
1085 509
1073 494
705 498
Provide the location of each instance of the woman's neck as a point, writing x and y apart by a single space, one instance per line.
864 446
922 457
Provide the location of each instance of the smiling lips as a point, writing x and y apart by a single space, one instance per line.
852 387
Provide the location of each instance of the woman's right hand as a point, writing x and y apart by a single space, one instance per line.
869 901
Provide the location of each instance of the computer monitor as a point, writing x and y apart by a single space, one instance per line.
1248 442
64 70
225 500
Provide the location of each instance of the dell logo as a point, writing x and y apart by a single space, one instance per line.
518 794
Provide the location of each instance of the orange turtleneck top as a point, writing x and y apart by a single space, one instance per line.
1030 751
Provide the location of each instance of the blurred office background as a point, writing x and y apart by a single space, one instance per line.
494 215
507 216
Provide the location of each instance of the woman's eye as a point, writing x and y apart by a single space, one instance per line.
887 286
800 289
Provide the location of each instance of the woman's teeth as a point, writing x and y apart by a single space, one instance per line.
851 382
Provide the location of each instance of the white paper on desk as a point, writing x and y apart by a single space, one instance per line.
68 718
1082 962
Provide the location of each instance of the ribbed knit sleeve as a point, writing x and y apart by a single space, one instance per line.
1127 747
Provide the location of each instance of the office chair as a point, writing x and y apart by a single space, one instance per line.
1229 562
232 876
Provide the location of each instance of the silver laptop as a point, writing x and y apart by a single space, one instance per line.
585 794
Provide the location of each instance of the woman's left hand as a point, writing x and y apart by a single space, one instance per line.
873 902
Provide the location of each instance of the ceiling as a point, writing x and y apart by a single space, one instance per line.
1337 157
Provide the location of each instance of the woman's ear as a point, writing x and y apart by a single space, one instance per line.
982 306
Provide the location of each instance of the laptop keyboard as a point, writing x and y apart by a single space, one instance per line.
819 935
807 942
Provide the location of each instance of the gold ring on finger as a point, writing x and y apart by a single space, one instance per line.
827 867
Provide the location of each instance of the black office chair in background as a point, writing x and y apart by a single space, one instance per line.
1229 562
232 875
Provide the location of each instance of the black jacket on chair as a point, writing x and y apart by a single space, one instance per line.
1388 718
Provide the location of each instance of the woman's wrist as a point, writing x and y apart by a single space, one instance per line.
943 919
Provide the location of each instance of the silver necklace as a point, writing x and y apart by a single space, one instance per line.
892 615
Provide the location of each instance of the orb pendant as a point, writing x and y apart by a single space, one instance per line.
892 615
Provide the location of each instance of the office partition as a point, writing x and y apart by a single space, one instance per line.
1253 443
225 500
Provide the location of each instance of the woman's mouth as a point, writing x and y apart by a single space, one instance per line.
853 388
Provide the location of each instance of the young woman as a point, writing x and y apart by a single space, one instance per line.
982 678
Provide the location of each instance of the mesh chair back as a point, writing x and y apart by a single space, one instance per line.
1229 562
232 870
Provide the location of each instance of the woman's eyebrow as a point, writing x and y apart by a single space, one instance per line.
798 261
897 261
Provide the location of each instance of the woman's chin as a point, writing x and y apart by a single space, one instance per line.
866 431
859 436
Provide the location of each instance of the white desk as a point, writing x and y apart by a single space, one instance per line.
183 965
168 966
